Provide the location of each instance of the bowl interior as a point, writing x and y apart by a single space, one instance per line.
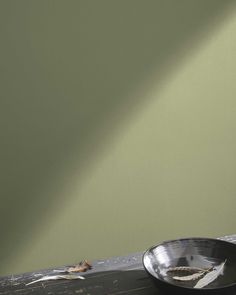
195 253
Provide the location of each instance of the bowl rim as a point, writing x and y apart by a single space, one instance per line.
182 239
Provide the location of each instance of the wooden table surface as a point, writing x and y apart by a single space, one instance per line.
114 276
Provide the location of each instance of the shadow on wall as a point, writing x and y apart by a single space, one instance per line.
67 70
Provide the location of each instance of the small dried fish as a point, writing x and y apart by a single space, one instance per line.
191 273
57 277
185 269
211 276
192 277
81 267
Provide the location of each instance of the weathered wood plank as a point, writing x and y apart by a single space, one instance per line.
115 276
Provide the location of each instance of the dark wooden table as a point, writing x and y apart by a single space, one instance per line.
114 276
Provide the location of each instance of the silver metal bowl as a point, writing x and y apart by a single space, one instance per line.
201 253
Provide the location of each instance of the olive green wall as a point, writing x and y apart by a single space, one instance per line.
117 125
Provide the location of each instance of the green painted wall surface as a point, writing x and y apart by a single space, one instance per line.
117 123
